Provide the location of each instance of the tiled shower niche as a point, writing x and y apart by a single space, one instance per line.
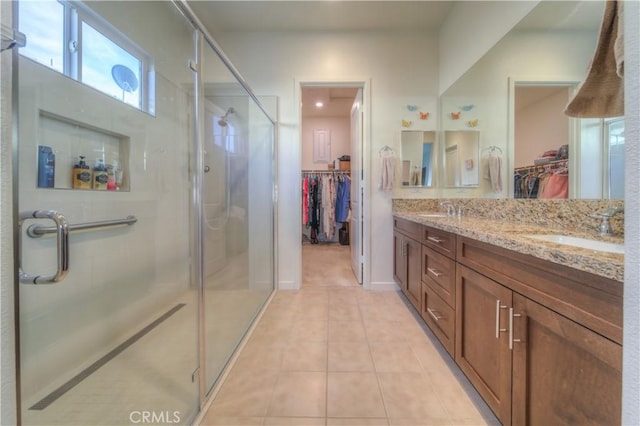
69 139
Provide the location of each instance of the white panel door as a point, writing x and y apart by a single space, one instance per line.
355 229
321 146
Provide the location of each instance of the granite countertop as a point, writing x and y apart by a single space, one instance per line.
510 235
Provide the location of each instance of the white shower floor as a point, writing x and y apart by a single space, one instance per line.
153 375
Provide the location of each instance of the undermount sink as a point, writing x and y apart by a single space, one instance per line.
432 215
580 242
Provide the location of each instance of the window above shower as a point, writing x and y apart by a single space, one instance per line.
72 39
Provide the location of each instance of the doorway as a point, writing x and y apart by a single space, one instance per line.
331 174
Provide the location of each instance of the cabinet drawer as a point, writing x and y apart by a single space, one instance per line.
411 229
441 241
439 317
439 272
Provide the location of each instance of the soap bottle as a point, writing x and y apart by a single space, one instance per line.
81 175
100 176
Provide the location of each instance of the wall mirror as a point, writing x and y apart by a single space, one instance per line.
461 158
419 155
550 48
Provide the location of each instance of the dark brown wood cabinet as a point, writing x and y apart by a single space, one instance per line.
531 364
482 341
563 373
440 317
407 267
399 260
541 342
439 272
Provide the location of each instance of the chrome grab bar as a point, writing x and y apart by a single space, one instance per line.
62 234
36 230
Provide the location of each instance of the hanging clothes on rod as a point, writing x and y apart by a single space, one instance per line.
323 197
548 181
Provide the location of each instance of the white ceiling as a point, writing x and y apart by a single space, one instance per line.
309 15
337 101
360 15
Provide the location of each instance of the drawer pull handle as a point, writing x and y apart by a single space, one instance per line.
434 314
435 272
435 240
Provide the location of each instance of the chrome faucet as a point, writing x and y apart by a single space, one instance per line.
604 229
451 210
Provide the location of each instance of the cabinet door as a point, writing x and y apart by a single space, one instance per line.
563 373
414 272
399 260
482 308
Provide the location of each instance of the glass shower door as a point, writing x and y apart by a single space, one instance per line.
238 211
107 306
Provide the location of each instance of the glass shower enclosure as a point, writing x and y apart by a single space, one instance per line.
145 197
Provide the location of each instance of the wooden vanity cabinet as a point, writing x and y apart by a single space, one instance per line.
439 286
440 317
407 267
539 341
563 373
482 340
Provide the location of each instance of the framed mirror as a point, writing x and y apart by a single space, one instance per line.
461 158
419 153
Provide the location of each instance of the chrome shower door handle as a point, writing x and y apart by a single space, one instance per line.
62 246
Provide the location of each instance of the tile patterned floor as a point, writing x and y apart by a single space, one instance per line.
333 354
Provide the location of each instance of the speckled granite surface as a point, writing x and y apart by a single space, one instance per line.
504 223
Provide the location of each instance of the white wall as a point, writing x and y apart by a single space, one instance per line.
631 349
539 127
401 67
340 132
470 30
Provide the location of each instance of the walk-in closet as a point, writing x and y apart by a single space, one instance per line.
326 184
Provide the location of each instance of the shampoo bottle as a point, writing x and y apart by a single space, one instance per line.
46 167
100 176
81 175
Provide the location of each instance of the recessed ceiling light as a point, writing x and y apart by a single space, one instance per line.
319 104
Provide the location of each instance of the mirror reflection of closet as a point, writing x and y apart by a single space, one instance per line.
541 128
461 158
418 157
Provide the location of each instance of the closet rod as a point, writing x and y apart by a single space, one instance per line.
325 171
550 165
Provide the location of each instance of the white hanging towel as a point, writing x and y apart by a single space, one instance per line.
495 173
387 172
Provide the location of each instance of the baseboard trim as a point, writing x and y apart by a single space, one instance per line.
287 285
383 286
